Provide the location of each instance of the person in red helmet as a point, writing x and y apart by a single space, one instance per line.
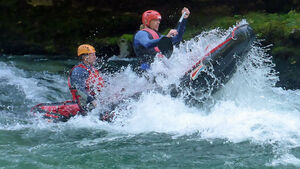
147 38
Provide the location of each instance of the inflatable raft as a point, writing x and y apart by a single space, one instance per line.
218 65
207 75
56 112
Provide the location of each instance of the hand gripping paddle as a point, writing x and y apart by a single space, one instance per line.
165 45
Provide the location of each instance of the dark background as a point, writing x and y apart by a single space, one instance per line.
56 27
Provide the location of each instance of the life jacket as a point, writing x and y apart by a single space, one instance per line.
63 111
154 35
147 55
93 83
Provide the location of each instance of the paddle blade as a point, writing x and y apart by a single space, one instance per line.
165 46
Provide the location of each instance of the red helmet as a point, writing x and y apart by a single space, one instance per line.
150 15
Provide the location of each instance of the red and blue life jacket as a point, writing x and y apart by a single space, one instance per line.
93 83
147 53
62 111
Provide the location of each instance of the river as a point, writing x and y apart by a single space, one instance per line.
249 123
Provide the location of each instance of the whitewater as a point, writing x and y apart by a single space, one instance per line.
248 123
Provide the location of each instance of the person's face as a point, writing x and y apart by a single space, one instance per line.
154 24
91 59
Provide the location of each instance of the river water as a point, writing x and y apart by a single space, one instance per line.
248 123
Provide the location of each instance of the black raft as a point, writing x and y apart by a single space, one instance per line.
217 66
213 70
203 79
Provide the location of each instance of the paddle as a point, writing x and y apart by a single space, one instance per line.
165 45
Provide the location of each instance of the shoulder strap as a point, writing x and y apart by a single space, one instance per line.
154 36
152 33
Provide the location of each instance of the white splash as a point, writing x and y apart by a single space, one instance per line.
34 86
248 108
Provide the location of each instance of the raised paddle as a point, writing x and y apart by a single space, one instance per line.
165 44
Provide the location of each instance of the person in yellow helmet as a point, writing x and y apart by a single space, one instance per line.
85 81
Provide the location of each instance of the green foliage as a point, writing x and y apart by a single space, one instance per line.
286 52
128 37
107 40
274 26
58 27
266 25
282 30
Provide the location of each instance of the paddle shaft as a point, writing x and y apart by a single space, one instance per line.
181 18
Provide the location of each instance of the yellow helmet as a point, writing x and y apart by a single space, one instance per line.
85 49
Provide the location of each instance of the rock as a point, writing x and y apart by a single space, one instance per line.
125 48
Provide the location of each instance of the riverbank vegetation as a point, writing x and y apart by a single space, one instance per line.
56 27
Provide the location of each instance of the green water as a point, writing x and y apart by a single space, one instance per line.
249 127
86 148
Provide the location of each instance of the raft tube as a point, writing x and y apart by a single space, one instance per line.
63 111
57 112
218 65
